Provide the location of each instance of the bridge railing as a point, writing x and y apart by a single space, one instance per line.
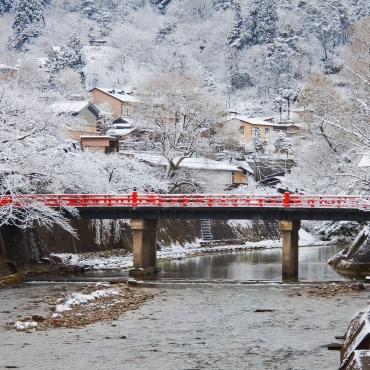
134 199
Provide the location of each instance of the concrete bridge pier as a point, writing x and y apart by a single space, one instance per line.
144 233
289 230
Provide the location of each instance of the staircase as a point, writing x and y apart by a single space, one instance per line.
206 229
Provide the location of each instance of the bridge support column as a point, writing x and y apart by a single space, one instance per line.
144 247
289 230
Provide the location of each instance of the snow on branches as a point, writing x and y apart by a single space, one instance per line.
34 159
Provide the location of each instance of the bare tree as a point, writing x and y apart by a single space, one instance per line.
180 116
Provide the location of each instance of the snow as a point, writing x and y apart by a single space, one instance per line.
193 163
69 106
78 299
24 325
98 137
6 66
121 131
365 161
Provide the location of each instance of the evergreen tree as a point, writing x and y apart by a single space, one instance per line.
104 20
283 144
73 53
68 56
28 21
161 5
236 37
258 143
261 23
89 8
5 6
223 4
361 9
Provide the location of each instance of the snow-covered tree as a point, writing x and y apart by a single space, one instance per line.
180 115
68 56
361 9
290 96
28 22
161 5
5 6
28 141
278 104
258 143
34 159
89 8
237 38
283 144
261 23
165 30
338 123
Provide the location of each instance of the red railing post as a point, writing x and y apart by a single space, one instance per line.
286 199
134 198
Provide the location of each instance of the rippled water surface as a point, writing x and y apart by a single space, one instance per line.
188 326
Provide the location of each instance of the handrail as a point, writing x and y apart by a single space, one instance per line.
136 200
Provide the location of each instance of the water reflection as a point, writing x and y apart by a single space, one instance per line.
254 265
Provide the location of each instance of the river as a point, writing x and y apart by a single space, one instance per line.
191 324
262 265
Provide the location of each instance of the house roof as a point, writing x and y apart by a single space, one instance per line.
94 137
126 131
261 121
245 166
193 163
6 66
70 107
123 95
365 161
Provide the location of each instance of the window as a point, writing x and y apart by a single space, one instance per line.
267 130
241 129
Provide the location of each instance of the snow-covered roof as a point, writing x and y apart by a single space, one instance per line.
365 161
123 95
6 66
98 137
69 106
124 131
245 165
193 163
260 121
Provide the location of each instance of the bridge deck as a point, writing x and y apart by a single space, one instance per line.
212 206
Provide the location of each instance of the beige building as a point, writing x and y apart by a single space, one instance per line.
100 143
267 128
120 102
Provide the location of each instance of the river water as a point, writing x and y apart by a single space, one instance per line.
254 265
196 325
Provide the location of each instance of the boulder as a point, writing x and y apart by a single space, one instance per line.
354 260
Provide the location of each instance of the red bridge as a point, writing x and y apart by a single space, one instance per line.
147 209
215 206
